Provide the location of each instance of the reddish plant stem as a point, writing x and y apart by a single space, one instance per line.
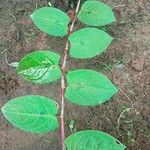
63 84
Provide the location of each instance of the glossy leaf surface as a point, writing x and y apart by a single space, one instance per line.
88 88
35 114
40 67
88 42
92 140
51 20
95 13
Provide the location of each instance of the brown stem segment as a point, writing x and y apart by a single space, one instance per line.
63 84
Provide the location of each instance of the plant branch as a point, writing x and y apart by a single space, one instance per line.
63 84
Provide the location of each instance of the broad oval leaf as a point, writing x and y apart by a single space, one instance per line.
40 67
95 13
51 20
88 42
35 114
88 88
93 140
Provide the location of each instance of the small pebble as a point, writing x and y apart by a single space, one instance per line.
138 64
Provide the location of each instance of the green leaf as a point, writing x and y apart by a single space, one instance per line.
93 140
51 20
88 42
88 88
40 67
95 13
35 114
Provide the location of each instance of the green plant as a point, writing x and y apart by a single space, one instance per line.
38 114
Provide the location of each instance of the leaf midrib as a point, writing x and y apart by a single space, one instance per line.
40 66
80 86
54 21
28 114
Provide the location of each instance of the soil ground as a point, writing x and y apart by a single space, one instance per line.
126 62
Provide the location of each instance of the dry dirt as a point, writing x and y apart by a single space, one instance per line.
127 63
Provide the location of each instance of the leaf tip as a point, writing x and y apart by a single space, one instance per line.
116 89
